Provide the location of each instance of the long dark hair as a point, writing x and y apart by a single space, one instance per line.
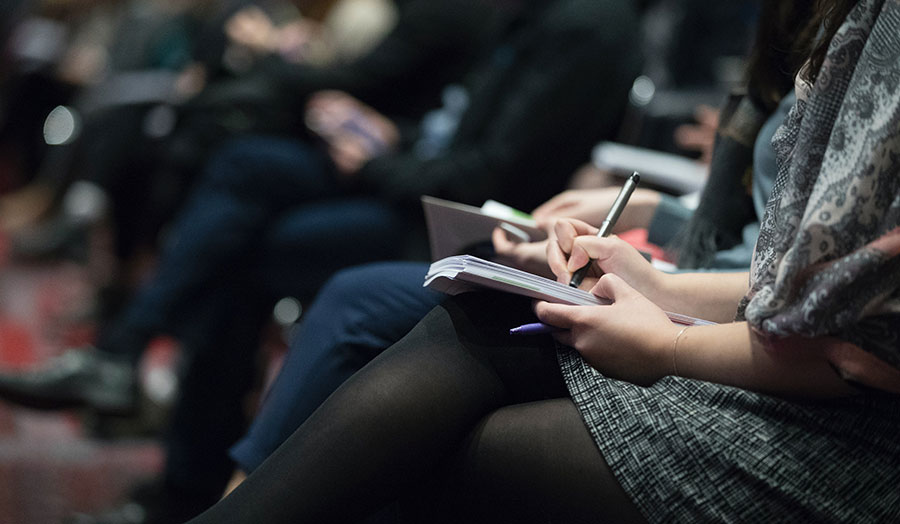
788 35
782 46
830 15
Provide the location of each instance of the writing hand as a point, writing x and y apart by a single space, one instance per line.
629 339
577 244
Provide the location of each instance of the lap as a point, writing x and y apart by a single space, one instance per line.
530 462
308 243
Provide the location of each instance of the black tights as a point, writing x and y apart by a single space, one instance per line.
469 423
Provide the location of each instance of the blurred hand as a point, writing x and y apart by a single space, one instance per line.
251 27
592 206
295 40
629 339
191 80
355 133
527 256
699 137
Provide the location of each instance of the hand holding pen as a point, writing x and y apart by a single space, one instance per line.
606 227
577 247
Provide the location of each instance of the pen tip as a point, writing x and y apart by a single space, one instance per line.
636 177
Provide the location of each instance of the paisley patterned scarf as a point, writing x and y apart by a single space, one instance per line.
827 262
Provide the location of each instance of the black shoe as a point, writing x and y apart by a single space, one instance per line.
78 378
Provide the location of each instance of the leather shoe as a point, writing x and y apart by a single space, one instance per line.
78 378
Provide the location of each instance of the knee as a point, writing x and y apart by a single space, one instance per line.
350 287
359 299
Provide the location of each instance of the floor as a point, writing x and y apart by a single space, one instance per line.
52 464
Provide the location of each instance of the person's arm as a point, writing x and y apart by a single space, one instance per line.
431 44
529 124
592 206
733 354
710 296
633 340
589 205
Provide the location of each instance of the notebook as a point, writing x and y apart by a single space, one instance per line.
462 273
454 228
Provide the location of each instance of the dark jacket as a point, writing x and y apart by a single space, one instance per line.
555 85
434 43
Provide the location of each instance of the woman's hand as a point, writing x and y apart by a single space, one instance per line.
527 256
577 244
631 339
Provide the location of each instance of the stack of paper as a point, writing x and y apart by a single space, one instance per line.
454 275
462 273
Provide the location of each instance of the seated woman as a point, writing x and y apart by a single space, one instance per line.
787 411
363 310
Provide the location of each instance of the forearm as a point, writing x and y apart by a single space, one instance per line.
637 214
710 296
733 354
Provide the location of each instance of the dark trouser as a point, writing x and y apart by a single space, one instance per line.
266 221
247 184
358 314
468 421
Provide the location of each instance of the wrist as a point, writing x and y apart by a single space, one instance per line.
662 289
663 360
679 336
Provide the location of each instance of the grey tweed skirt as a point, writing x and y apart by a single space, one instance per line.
692 451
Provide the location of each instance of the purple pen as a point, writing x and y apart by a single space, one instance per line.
536 328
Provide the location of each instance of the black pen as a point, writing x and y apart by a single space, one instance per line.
609 222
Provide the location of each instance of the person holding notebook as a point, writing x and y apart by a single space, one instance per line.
363 310
787 411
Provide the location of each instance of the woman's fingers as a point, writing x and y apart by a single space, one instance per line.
567 230
592 248
558 315
612 287
502 244
558 262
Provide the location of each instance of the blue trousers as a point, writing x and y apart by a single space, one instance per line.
266 220
358 313
259 198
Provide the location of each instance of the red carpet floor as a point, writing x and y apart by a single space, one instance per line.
51 464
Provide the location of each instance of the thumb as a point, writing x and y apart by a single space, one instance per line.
558 315
612 287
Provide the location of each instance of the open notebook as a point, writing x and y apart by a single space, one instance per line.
462 273
455 228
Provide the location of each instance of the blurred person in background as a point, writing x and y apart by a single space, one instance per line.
788 407
533 114
362 311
